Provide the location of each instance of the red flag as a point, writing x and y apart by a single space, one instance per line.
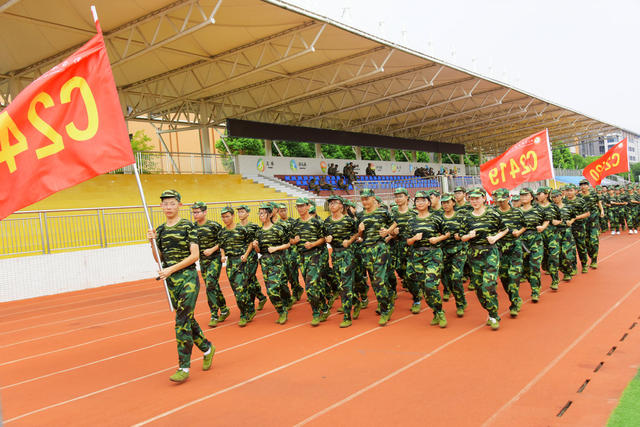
528 160
64 128
615 160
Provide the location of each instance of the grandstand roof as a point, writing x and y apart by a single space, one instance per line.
203 61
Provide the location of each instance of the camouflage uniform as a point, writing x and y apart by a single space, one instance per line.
465 208
234 242
174 245
592 224
274 268
375 254
255 290
484 258
567 243
399 247
510 246
533 248
425 260
579 230
454 257
211 266
291 260
604 221
311 263
551 246
343 258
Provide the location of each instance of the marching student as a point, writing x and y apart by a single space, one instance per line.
532 241
454 253
252 260
567 260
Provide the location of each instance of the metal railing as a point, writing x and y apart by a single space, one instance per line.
155 162
63 230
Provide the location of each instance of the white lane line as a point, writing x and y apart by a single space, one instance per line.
555 361
149 375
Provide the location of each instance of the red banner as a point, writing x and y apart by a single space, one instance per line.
64 128
615 160
528 160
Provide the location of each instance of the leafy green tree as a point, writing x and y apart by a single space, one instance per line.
334 151
422 157
139 142
247 146
296 149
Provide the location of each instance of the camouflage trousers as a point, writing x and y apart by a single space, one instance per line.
604 221
510 270
360 285
580 236
400 254
453 260
376 259
274 273
568 263
615 219
343 264
424 267
291 260
551 252
183 289
255 290
533 249
593 237
211 269
236 273
484 261
311 263
329 276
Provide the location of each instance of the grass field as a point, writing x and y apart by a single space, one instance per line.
628 411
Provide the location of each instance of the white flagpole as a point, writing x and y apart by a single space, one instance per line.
156 252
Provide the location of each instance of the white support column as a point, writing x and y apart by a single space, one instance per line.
318 151
414 156
205 141
268 150
392 155
438 157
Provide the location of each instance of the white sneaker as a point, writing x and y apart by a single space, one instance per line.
630 231
617 232
613 232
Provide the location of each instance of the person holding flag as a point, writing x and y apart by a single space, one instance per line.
177 241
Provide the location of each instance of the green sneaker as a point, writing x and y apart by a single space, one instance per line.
472 287
460 312
364 303
415 308
315 321
519 306
594 265
333 299
514 312
242 322
446 296
224 313
435 320
494 323
585 269
356 311
574 272
282 319
261 303
383 320
207 358
213 322
535 298
324 316
345 323
554 285
567 277
442 320
180 376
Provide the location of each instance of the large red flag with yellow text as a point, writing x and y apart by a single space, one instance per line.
64 128
527 161
616 160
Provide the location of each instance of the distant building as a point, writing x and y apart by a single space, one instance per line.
604 143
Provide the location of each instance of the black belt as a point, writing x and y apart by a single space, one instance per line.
234 256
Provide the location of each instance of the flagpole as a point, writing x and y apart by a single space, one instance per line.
156 252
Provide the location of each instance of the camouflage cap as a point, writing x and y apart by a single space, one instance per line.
446 197
367 192
598 187
421 195
545 190
267 206
584 182
500 195
199 205
379 199
312 202
401 190
515 197
226 209
475 192
349 203
282 206
459 188
273 205
312 209
570 186
245 207
434 193
302 201
335 197
526 190
168 194
556 193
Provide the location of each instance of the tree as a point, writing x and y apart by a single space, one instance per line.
562 158
248 146
139 142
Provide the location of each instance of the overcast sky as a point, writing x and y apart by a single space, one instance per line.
583 55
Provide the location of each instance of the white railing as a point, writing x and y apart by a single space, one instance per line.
153 162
